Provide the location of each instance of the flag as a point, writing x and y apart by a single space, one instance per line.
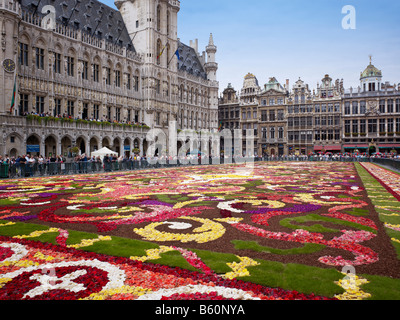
177 54
158 57
14 96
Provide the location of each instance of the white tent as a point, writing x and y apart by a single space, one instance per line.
102 152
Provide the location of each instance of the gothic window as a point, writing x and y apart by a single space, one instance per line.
23 54
57 62
136 78
118 78
85 70
70 66
108 76
57 107
23 103
96 72
168 22
128 81
71 108
158 18
40 58
96 111
39 104
118 114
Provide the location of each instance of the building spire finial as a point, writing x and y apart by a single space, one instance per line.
211 41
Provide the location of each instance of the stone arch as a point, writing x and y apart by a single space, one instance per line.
81 144
127 142
13 153
33 140
66 145
117 145
50 145
94 144
106 142
14 142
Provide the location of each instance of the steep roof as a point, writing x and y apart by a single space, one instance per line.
189 61
90 16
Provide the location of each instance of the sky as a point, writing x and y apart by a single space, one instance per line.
292 39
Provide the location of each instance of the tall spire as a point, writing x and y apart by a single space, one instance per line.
211 41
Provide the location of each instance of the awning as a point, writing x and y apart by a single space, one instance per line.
328 148
389 146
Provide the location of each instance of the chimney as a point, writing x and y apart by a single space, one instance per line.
195 45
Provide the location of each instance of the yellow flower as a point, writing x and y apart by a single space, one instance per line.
89 242
209 231
239 269
352 283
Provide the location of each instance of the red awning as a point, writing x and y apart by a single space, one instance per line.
389 146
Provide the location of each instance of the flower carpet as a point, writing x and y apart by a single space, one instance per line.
263 231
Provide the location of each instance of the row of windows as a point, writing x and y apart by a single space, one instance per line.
272 102
317 108
360 126
89 72
272 133
323 135
385 106
318 121
193 96
89 111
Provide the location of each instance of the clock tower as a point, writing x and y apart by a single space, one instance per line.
9 21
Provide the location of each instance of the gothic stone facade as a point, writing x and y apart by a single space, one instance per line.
111 74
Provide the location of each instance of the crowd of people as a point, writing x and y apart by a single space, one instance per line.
29 165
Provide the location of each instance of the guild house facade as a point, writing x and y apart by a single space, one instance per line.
79 75
330 118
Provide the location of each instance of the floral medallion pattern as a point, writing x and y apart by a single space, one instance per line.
273 211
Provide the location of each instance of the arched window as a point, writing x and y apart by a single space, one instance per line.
158 18
159 51
168 22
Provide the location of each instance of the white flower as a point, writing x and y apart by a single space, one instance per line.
228 293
